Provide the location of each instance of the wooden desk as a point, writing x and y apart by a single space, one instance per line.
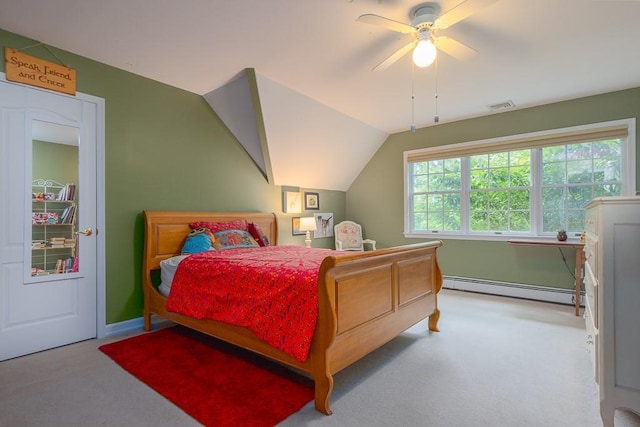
576 244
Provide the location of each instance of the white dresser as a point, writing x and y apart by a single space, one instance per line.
612 304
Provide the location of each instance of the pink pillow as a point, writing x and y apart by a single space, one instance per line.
258 234
238 224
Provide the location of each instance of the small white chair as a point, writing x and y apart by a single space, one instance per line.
348 235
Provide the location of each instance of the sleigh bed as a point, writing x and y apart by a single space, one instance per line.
364 299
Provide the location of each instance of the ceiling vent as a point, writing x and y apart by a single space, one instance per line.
505 105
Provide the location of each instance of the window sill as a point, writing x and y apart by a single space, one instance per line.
483 237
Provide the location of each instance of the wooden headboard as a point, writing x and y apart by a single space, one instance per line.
165 231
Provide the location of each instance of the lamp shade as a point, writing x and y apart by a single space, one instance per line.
424 53
307 223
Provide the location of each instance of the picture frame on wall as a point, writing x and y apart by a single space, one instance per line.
311 201
324 225
291 202
295 227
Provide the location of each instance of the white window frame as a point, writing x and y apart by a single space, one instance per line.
466 148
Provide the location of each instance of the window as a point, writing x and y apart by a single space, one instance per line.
527 185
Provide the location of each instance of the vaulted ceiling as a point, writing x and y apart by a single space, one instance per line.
313 62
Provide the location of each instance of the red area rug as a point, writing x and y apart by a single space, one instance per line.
213 382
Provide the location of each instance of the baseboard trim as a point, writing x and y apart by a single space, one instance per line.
134 325
515 290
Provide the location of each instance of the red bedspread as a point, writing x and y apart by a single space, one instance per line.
271 290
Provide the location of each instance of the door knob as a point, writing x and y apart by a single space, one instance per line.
87 231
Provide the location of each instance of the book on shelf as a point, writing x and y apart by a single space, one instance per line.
65 265
68 215
68 192
38 244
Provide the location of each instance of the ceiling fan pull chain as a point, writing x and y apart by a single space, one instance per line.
413 96
436 118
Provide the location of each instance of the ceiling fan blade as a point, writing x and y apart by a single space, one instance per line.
455 48
463 10
394 57
387 23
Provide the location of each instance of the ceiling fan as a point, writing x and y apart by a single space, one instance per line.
424 26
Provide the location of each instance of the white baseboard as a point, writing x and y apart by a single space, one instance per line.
134 325
516 290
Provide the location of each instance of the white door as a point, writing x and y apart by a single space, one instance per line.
48 211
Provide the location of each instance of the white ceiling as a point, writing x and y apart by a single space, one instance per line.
530 52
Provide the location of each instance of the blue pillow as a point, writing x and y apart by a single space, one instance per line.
198 240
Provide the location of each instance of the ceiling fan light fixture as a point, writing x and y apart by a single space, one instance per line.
424 53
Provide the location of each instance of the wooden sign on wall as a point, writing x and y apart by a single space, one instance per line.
22 68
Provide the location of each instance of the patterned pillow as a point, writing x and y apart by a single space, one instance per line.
258 234
233 239
238 224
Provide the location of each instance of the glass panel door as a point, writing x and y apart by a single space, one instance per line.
54 200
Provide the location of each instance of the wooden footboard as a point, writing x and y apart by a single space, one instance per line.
365 298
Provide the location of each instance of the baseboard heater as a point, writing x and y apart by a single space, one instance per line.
516 290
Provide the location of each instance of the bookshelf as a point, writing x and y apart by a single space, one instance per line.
53 226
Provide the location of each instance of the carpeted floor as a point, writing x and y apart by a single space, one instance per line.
496 362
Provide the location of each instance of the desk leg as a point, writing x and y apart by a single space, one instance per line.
578 274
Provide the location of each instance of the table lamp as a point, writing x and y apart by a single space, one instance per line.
308 224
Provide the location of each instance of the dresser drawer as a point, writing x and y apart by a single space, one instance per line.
591 252
590 220
592 338
591 291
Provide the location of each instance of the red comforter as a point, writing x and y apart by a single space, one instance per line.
271 290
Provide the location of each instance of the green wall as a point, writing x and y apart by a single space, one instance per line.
165 149
58 162
376 197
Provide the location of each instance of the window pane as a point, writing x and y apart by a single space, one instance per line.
520 176
479 221
479 179
519 221
479 201
436 166
520 158
479 162
553 173
554 154
420 221
579 171
498 221
436 221
610 149
420 203
519 199
419 168
575 220
498 200
452 202
498 178
553 220
578 197
498 159
452 165
579 151
420 183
